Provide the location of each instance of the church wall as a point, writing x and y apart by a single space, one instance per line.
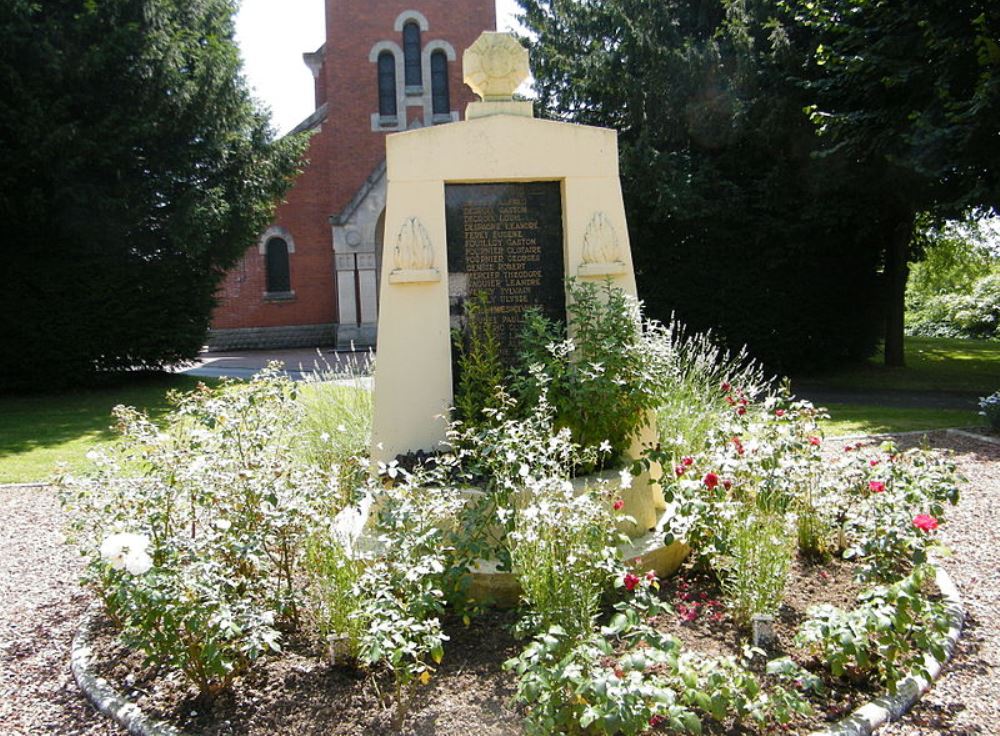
343 152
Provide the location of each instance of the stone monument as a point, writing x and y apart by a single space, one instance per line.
501 203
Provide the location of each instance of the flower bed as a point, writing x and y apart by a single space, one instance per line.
226 556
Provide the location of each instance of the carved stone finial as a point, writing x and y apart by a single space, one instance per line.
495 66
414 250
600 242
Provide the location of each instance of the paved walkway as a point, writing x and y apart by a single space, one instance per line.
299 363
303 362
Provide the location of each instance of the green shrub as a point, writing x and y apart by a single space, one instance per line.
223 510
886 636
562 550
599 378
755 570
333 609
336 420
480 371
691 402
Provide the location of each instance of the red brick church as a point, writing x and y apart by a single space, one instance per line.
312 276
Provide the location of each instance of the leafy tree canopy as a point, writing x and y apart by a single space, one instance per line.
134 170
735 224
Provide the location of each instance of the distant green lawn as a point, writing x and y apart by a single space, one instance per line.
932 364
37 432
848 419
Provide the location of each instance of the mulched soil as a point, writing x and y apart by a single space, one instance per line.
40 607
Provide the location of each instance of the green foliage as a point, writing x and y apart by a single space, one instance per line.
990 406
337 420
332 606
734 223
755 570
223 510
402 590
955 290
599 378
973 313
885 636
480 371
880 496
629 678
136 169
691 405
915 88
562 549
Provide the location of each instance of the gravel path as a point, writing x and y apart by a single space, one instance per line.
40 606
966 698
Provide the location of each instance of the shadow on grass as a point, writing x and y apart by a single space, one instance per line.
31 422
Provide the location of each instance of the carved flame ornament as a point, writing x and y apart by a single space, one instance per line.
414 251
413 256
600 242
601 250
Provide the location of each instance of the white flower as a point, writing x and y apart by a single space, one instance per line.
138 563
626 478
605 446
125 551
223 524
325 437
341 428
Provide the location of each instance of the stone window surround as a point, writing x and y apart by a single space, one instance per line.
277 231
411 97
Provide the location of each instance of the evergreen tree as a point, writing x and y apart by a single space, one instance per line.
912 90
134 170
735 223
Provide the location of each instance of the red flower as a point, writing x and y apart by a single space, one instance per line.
679 470
730 400
651 575
631 580
711 480
688 461
814 440
738 444
925 522
876 486
779 413
618 505
726 387
656 720
873 463
741 410
727 483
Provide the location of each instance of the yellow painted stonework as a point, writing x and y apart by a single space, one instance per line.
413 382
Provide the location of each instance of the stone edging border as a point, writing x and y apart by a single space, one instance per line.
99 691
866 719
862 722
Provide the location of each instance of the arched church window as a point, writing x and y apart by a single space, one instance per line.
278 277
411 55
439 83
386 84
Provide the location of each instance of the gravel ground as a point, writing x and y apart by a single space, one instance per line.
966 698
40 605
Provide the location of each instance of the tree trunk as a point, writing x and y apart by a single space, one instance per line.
897 270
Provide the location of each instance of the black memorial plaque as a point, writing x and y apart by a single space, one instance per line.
506 240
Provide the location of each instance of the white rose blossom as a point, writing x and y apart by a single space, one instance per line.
125 551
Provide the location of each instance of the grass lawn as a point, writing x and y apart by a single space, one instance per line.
932 364
848 419
37 432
